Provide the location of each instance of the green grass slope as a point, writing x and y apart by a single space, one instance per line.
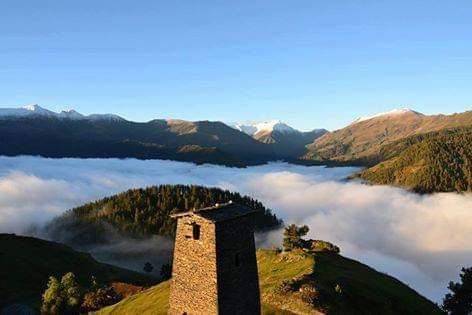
26 264
343 286
440 161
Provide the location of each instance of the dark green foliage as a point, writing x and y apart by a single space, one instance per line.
142 212
459 302
438 161
293 236
148 267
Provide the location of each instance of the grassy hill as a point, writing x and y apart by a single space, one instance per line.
438 161
359 141
288 280
26 264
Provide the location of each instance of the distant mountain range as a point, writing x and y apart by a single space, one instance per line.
33 130
37 111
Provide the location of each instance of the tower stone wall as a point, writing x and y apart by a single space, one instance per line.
194 274
238 282
215 268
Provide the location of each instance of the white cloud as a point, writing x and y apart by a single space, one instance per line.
422 240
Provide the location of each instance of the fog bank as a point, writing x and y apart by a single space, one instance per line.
422 240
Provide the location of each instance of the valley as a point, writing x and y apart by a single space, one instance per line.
119 180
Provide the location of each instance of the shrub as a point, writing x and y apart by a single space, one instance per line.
98 299
125 289
324 246
148 267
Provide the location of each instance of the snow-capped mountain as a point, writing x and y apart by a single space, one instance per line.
268 126
394 112
38 111
285 140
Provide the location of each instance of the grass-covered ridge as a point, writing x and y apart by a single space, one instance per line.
438 161
345 286
27 262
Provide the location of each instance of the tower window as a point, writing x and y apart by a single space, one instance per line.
196 232
237 260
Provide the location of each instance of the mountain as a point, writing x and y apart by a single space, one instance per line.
255 128
284 140
37 111
307 283
436 161
26 264
145 212
393 113
362 139
37 131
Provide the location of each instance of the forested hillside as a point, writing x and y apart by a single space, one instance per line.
438 161
142 212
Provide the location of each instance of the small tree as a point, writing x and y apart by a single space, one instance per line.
61 297
52 297
148 267
166 271
71 292
293 236
460 300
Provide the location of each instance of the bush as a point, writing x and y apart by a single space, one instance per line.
100 298
323 246
125 289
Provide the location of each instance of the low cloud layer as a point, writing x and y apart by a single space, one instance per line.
422 240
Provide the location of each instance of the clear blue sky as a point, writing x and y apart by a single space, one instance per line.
309 63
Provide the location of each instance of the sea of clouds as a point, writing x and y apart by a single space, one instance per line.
423 240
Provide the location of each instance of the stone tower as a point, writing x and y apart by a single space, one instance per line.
215 268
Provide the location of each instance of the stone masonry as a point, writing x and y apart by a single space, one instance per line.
215 268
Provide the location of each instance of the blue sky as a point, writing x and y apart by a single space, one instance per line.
309 63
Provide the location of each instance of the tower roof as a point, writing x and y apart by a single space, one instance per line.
218 212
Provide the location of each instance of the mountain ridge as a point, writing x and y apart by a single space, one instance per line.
35 110
357 141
